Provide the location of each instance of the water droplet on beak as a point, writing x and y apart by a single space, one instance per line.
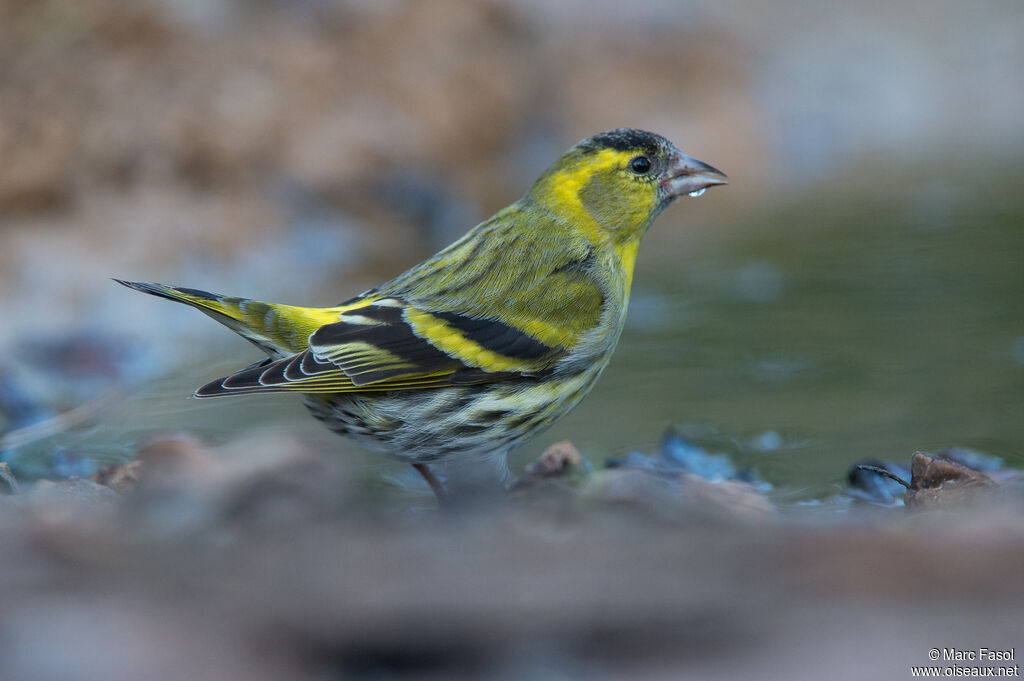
697 192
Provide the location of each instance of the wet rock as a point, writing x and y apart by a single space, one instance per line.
633 488
8 483
697 480
979 461
678 454
739 500
559 469
937 481
952 476
121 478
875 487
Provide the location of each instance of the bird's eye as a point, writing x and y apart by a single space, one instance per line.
640 165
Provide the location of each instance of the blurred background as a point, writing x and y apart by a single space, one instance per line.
857 290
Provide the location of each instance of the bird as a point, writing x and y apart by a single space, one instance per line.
488 342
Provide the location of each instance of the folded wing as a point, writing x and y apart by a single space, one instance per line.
389 345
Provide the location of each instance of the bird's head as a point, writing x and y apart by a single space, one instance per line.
614 184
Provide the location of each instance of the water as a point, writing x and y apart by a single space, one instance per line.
840 327
872 325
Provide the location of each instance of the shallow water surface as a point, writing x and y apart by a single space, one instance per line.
832 331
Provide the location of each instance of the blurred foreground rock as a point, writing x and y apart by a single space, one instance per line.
262 561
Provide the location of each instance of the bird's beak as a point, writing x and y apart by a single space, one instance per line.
686 175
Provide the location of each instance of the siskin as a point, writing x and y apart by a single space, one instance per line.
491 340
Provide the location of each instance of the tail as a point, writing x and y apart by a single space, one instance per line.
278 330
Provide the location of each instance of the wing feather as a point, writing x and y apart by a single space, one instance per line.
388 345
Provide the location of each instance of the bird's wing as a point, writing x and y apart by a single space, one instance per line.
491 306
387 344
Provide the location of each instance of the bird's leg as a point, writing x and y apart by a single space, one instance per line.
432 480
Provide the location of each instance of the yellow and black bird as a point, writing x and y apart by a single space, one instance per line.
492 339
